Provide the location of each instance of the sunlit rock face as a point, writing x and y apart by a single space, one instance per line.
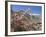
20 23
25 22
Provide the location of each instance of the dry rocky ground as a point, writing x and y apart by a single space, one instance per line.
19 22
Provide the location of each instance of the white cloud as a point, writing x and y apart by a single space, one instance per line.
34 14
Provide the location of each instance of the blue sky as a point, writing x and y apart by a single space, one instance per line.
34 9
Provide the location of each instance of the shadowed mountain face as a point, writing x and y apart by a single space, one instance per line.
22 21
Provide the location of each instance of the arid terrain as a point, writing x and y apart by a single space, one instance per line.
21 21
